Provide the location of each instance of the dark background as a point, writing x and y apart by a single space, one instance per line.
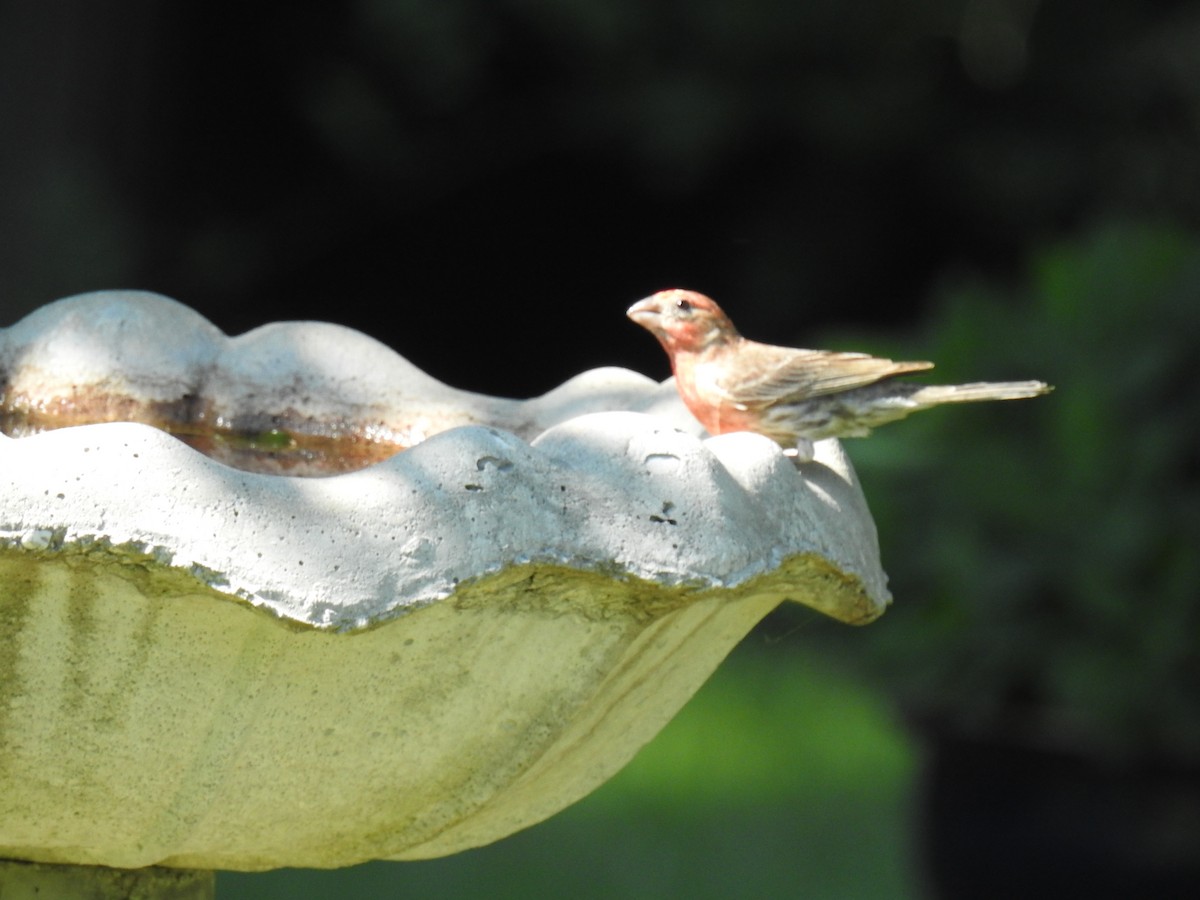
487 184
1010 187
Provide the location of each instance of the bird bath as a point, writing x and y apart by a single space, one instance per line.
487 606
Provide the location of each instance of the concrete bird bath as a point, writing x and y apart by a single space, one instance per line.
480 613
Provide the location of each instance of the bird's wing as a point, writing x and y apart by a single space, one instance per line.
782 373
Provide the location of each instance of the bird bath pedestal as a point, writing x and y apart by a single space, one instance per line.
40 881
475 613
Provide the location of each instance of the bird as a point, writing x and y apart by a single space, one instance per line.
791 395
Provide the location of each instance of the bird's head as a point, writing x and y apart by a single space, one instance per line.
683 321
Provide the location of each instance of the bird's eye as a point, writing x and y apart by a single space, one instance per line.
684 306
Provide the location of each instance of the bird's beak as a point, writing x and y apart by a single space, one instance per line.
645 312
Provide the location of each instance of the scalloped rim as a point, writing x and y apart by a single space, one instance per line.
620 492
350 551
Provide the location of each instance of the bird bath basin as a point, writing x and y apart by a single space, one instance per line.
477 615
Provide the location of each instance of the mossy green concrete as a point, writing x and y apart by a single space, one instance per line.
39 881
149 719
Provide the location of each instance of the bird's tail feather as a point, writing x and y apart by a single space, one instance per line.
931 395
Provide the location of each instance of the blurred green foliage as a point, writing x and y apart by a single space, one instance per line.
1043 554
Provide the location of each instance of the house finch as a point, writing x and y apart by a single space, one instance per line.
792 396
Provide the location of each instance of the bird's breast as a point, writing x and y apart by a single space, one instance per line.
707 399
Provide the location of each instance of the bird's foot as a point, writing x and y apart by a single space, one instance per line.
801 453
